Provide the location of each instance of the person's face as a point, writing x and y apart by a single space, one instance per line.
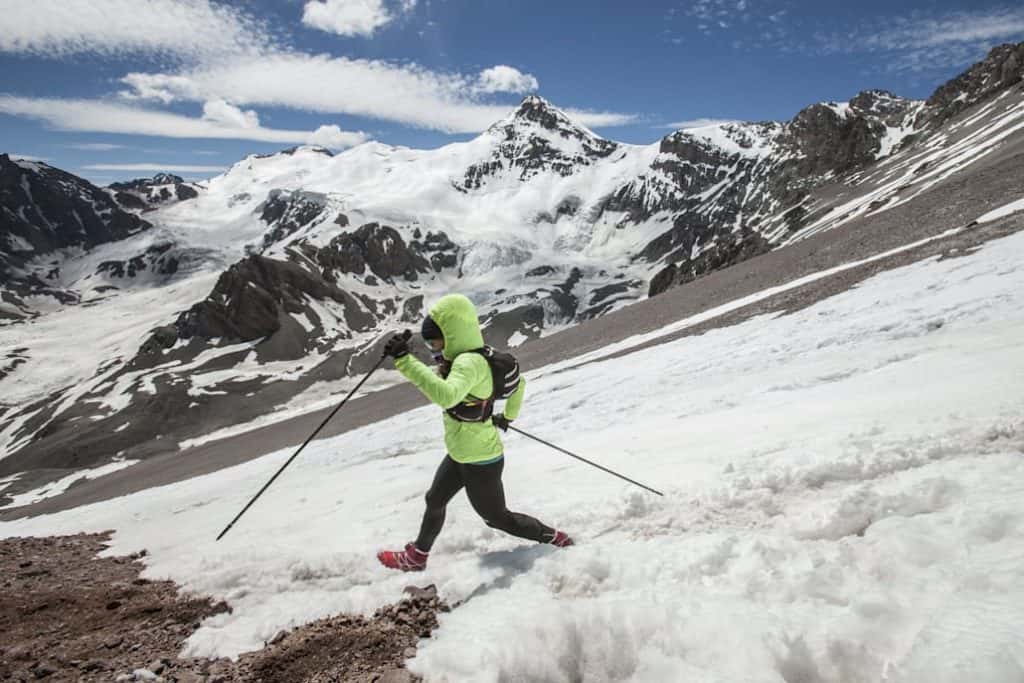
435 345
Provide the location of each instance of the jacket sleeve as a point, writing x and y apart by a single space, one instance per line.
445 392
515 401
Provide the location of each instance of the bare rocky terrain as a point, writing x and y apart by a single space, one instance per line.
68 615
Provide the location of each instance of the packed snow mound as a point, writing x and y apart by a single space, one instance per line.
843 502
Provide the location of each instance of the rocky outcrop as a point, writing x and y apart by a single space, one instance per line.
252 299
1002 68
159 259
371 248
436 247
714 258
44 209
288 211
144 194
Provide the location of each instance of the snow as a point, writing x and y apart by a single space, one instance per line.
61 485
516 339
76 349
1002 211
844 487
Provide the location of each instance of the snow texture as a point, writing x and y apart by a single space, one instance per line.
844 494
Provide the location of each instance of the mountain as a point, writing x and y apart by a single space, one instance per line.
278 278
46 211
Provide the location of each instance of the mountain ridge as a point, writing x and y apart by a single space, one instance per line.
291 265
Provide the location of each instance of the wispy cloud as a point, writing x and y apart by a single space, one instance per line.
696 123
155 166
918 41
185 29
404 93
100 116
353 17
230 64
921 42
26 157
95 147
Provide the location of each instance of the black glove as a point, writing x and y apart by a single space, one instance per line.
397 346
501 422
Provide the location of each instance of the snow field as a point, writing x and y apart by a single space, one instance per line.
844 502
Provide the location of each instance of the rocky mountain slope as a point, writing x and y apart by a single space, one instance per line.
278 277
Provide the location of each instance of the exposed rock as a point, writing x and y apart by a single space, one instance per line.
43 209
91 646
286 212
143 194
719 256
250 299
159 259
1002 68
376 247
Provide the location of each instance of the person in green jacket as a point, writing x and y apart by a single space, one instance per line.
475 460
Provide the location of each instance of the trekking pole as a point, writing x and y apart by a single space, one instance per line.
266 486
592 464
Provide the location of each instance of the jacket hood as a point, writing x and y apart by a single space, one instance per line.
456 316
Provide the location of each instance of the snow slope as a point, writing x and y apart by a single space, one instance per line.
844 494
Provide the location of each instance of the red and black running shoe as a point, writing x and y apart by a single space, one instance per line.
412 559
561 539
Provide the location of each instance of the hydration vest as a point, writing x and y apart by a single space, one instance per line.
505 379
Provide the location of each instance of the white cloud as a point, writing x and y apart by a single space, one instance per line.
107 117
229 63
26 157
95 147
186 29
351 17
330 136
696 123
600 119
221 113
503 78
404 93
155 166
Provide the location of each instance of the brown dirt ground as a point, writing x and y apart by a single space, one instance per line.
68 615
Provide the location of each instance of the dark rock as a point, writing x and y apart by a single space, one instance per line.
286 212
1002 68
720 256
43 209
540 270
253 299
144 194
372 246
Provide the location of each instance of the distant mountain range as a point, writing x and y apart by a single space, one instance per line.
162 308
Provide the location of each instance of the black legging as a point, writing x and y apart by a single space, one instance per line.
486 495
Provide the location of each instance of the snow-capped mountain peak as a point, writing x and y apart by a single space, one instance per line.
536 138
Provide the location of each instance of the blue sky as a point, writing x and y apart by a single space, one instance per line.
113 89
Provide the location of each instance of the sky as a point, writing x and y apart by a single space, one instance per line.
116 89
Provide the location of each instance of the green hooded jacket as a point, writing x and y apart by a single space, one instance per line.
470 376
